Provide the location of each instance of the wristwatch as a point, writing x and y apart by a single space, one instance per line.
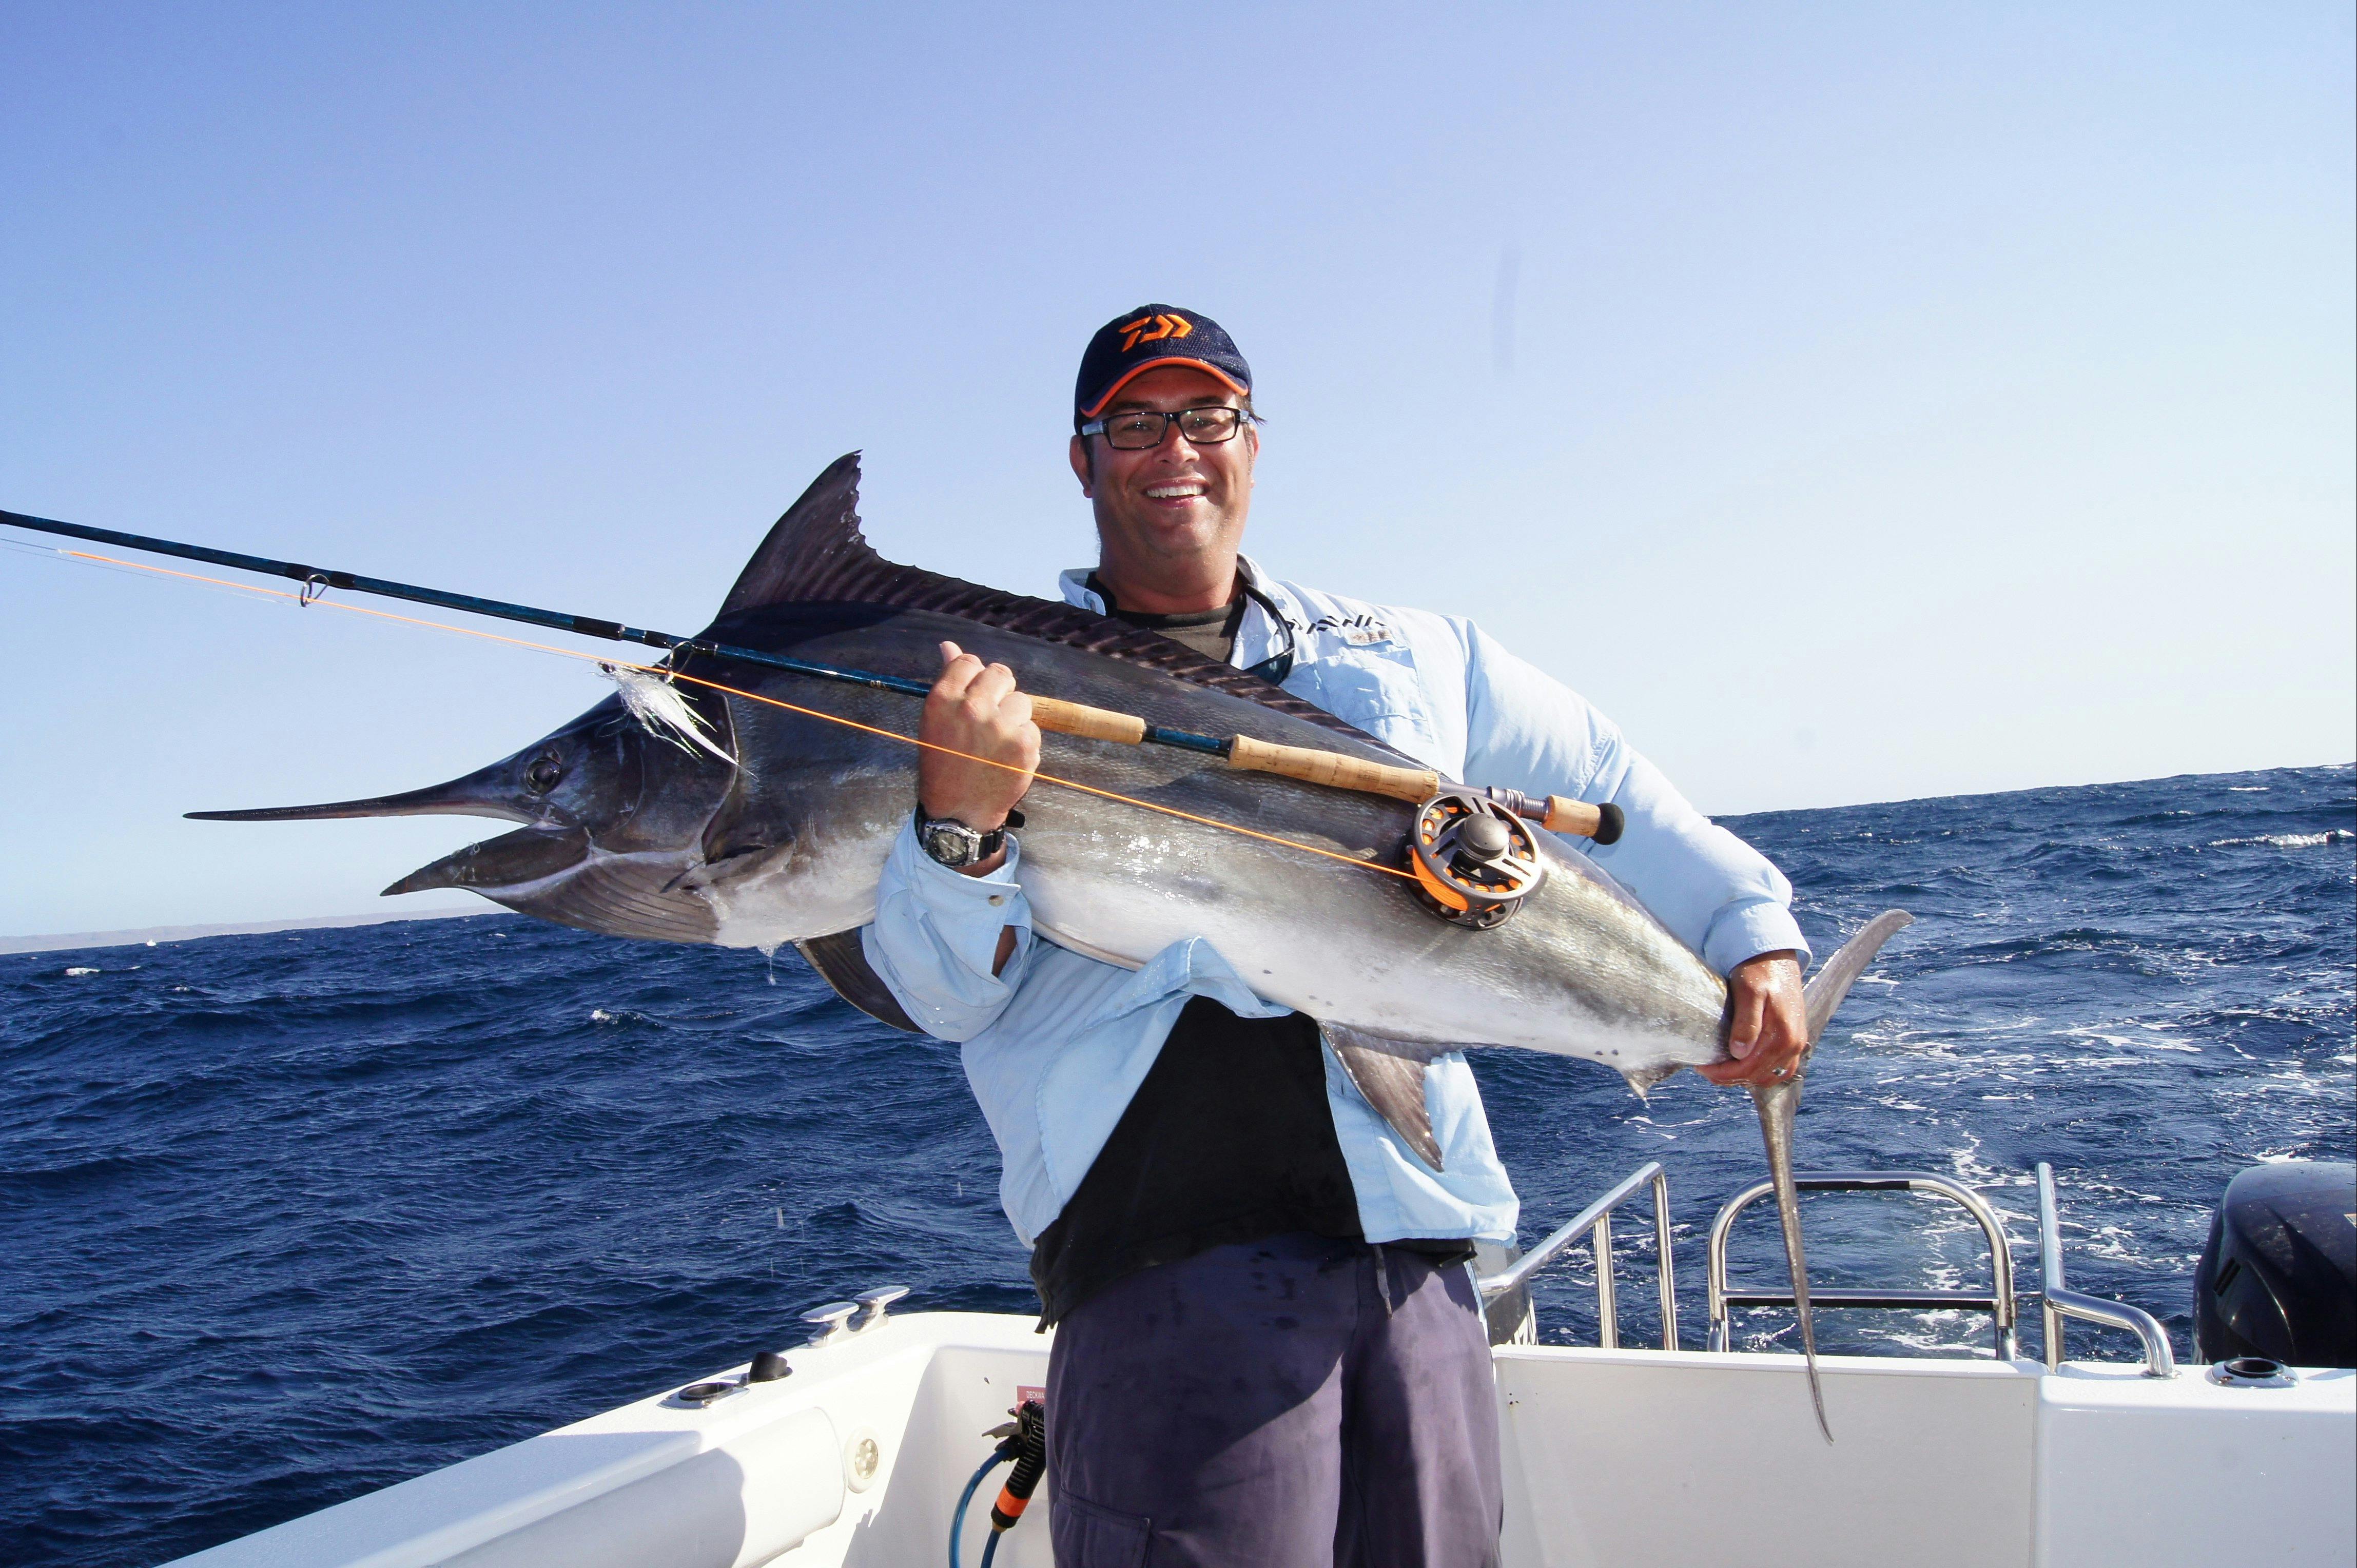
953 843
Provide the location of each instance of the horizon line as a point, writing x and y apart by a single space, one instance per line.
151 936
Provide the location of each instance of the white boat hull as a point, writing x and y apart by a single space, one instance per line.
1612 1457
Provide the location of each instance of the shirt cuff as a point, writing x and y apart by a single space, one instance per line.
1750 930
935 937
965 913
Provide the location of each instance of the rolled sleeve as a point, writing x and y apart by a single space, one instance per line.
936 937
1745 930
1720 896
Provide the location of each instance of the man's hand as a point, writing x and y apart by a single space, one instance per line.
976 710
1768 1024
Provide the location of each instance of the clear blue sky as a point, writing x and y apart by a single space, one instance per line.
1858 403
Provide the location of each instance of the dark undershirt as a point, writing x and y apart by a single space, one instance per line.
1212 633
1229 1139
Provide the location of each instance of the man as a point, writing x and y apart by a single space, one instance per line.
1266 1350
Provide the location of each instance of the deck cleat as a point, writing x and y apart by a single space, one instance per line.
877 1299
831 1320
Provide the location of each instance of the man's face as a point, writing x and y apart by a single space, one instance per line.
1173 504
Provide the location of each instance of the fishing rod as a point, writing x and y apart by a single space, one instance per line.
1421 786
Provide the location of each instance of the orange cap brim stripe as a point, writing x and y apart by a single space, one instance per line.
1130 375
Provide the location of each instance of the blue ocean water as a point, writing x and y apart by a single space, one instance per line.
287 1218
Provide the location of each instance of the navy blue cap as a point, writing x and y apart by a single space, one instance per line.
1146 339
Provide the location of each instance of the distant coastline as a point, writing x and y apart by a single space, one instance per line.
155 935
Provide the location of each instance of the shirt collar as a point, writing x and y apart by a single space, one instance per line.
1073 581
1260 636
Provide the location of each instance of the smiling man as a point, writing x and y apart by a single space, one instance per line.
1268 1351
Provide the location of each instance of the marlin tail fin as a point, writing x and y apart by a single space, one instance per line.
1823 992
1779 1103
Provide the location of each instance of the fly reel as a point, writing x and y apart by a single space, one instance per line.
1475 861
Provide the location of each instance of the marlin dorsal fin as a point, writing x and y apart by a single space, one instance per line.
817 555
817 539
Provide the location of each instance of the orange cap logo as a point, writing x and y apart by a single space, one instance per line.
1152 329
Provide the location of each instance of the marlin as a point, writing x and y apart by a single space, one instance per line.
675 811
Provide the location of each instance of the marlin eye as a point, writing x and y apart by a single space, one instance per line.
542 775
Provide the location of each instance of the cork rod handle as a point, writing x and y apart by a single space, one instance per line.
1090 724
1559 813
1414 785
1576 818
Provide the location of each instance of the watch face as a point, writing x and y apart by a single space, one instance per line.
953 843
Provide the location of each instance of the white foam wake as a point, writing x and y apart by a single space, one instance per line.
2292 840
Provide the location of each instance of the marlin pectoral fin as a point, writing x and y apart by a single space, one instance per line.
748 820
841 962
1390 1074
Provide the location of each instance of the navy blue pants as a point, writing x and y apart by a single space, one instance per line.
1284 1404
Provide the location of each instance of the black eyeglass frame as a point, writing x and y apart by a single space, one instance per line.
1097 426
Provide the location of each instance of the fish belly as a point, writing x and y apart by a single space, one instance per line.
1579 974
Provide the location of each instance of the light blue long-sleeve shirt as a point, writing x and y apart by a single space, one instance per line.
1056 1044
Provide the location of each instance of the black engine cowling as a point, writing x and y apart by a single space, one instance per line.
2279 1276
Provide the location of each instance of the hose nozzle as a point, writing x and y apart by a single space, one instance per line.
1029 1444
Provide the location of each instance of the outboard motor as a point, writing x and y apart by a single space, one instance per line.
2279 1276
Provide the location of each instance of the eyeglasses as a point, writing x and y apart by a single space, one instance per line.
1142 429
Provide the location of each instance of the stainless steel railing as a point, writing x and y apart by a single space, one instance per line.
1595 1220
1997 1301
2056 1301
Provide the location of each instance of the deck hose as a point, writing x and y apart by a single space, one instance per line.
1023 1440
